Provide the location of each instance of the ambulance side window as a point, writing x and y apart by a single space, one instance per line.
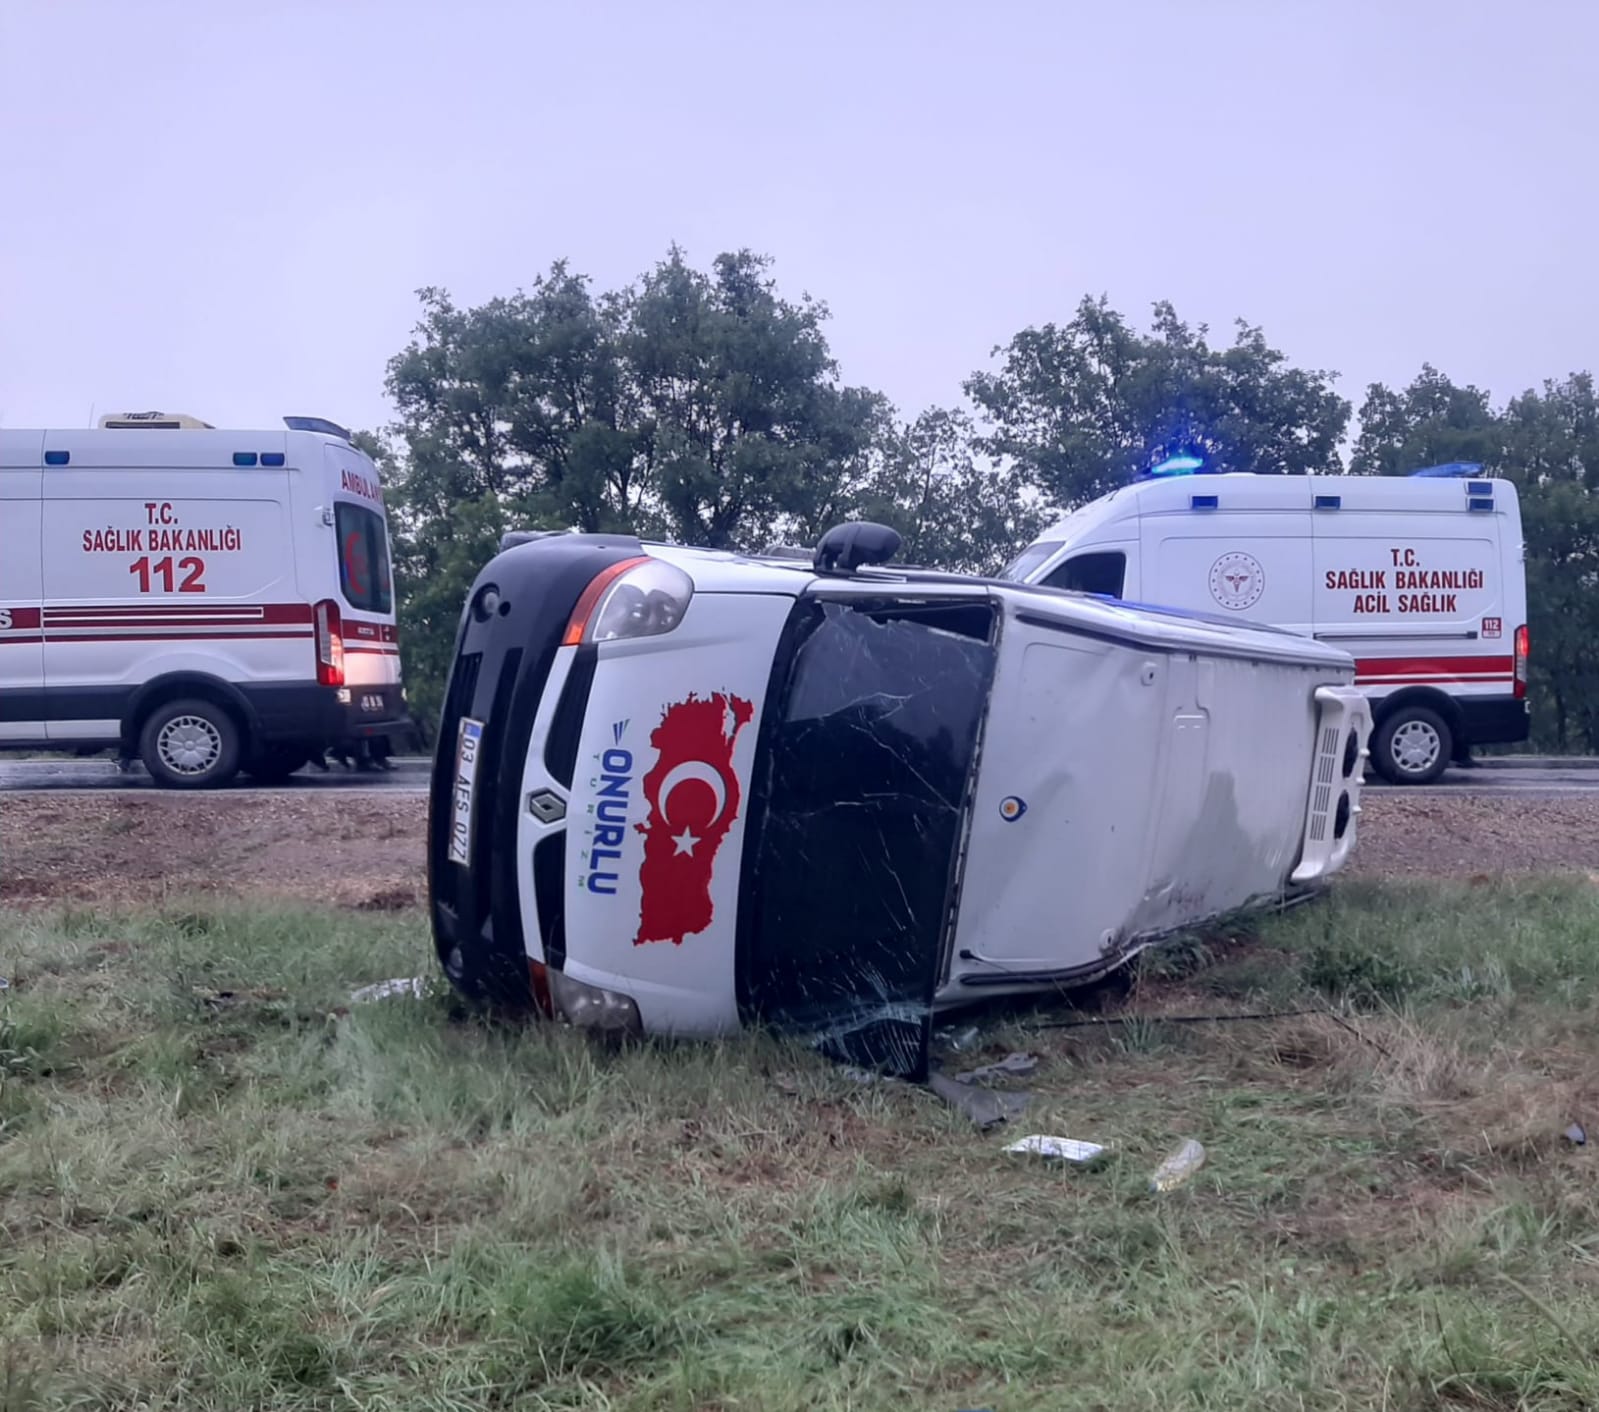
1102 573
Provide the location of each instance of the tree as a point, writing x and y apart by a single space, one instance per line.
742 420
1549 445
954 511
1083 408
523 399
1431 422
699 407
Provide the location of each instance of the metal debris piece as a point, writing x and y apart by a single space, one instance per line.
1012 1066
385 990
1178 1167
959 1040
984 1107
1066 1149
1577 1135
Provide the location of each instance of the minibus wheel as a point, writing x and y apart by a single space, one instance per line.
190 744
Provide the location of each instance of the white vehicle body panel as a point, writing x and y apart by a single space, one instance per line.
1187 798
710 676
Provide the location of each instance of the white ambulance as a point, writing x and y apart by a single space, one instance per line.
1421 578
204 600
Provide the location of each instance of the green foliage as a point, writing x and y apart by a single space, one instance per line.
954 511
1431 422
698 407
1084 407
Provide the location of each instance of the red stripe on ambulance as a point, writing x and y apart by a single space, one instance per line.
1434 669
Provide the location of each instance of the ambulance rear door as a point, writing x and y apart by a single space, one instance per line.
362 568
1408 579
1232 546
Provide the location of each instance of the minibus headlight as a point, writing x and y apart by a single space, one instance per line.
637 598
588 1007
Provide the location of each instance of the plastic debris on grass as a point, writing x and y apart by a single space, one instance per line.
1060 1149
1178 1167
414 986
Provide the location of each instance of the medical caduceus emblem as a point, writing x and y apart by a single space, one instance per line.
1237 581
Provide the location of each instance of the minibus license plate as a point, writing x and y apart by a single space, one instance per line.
466 753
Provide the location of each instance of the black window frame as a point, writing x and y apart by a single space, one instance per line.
375 535
1065 568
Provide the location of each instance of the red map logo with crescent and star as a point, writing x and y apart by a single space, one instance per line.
693 798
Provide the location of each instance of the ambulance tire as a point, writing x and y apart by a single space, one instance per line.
190 744
1403 748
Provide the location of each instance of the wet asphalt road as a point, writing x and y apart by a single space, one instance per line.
1526 776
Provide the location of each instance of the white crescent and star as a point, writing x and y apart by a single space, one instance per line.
685 842
682 774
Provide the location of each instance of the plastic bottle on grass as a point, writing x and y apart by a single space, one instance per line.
1178 1167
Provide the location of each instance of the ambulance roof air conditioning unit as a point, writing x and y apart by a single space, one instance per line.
318 424
162 421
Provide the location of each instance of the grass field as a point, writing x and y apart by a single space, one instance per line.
225 1187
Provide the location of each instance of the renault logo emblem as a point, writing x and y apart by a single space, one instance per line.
546 806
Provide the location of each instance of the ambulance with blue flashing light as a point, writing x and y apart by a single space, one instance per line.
205 600
681 791
1421 578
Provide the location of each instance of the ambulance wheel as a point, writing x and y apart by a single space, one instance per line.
1413 746
273 764
190 745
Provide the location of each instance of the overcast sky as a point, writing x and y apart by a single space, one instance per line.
225 207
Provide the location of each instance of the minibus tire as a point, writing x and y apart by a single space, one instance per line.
205 729
1390 735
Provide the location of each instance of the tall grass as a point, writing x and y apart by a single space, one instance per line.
223 1185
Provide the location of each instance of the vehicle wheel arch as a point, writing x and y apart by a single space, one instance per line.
1429 697
173 686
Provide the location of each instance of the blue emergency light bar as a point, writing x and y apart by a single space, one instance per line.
1179 465
1449 470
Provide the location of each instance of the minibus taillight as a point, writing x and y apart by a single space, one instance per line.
1523 651
329 644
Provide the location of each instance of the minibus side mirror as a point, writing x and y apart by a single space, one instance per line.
845 548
